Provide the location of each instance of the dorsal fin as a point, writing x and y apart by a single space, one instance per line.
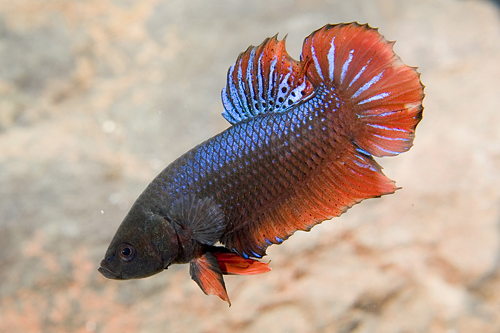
264 79
379 105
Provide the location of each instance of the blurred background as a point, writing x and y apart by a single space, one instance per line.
98 96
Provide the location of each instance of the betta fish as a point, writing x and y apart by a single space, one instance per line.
300 150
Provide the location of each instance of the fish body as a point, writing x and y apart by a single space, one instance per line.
299 151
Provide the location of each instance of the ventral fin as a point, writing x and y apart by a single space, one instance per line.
206 272
199 219
264 79
232 263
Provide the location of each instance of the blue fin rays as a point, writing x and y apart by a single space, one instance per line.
264 79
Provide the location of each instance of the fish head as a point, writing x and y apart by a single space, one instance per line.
144 244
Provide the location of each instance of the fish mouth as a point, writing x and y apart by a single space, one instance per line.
107 272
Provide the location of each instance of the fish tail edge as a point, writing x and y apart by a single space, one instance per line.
356 62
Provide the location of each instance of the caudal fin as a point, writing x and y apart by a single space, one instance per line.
361 67
366 101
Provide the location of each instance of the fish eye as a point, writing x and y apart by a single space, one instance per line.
126 252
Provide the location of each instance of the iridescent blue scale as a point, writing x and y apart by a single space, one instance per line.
262 147
299 151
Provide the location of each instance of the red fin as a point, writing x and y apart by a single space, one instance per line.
340 184
264 79
371 104
232 263
206 272
385 94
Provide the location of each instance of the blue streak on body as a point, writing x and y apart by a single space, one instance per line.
239 147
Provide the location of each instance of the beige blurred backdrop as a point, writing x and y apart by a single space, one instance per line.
98 96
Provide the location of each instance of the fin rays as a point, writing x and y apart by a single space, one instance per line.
381 106
263 79
328 194
373 79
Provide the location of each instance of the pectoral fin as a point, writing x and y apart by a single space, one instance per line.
199 219
206 272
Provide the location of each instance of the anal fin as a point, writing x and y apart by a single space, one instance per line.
232 263
328 193
207 273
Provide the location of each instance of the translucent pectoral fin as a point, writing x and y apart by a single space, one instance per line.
199 219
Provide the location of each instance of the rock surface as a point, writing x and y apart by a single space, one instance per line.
97 96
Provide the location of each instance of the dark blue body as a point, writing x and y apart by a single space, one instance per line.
253 163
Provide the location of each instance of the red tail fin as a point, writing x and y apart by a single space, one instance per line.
372 104
385 94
